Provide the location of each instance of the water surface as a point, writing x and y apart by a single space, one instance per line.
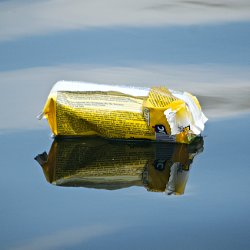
197 46
213 212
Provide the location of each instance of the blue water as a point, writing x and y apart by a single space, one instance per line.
213 213
206 54
208 44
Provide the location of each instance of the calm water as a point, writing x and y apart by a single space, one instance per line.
213 213
118 199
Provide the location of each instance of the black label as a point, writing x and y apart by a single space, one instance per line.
160 129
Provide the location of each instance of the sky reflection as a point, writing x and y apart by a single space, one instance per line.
198 46
43 17
223 91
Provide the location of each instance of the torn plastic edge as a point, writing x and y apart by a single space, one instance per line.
198 118
40 116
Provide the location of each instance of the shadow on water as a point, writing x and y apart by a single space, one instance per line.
107 164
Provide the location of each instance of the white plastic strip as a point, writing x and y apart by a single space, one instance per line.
86 86
198 118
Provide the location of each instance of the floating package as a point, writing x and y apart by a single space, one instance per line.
121 112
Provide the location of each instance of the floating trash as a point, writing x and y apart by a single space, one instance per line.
157 113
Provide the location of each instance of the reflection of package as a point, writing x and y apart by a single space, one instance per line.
83 109
108 164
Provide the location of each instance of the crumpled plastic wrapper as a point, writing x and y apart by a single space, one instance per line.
121 112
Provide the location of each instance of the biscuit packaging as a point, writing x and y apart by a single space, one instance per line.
120 112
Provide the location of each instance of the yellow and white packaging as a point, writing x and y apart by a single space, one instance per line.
121 112
95 162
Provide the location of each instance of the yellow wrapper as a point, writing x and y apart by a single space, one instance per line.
95 162
84 109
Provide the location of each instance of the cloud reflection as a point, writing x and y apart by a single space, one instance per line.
222 91
67 237
28 18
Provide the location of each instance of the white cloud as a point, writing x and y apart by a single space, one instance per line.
19 18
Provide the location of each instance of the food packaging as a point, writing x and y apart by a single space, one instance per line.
120 112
